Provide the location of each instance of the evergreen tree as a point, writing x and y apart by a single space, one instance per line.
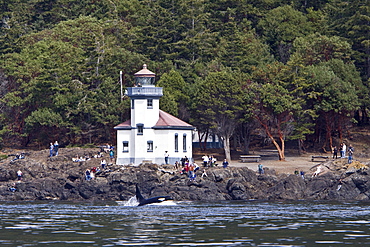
273 103
218 103
281 26
351 19
176 97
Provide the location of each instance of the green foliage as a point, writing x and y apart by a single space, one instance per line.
60 63
328 92
281 26
273 93
44 117
67 72
316 48
218 101
218 105
275 103
176 94
350 19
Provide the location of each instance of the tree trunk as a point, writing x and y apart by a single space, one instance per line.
226 141
202 144
301 148
282 149
328 137
247 138
340 130
279 149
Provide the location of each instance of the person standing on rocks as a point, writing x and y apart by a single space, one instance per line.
166 155
51 149
111 155
344 150
205 160
19 174
183 161
225 163
335 152
212 161
103 163
56 148
350 154
260 169
177 165
191 173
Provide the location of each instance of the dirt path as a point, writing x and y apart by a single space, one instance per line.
292 163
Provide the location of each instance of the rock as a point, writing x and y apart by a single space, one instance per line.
59 178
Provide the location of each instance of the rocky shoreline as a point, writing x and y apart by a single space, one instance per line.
59 178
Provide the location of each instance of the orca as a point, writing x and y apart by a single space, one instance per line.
142 201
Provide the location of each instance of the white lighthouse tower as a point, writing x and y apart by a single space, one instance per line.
150 133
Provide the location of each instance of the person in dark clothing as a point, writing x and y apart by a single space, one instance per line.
335 152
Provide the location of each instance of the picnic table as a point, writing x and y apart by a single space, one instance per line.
250 158
269 153
319 157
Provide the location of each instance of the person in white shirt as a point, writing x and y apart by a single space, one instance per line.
205 160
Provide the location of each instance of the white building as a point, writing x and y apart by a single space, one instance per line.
151 132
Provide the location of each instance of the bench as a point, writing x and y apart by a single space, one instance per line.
269 154
319 157
250 158
269 151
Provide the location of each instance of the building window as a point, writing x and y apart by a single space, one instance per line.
150 146
140 129
176 142
125 146
132 104
150 103
184 142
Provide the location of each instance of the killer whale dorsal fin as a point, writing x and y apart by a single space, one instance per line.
139 197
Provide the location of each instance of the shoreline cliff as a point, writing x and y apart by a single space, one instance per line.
60 178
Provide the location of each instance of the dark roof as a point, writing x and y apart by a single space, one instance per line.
124 125
165 121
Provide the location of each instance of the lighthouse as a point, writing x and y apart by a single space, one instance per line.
151 134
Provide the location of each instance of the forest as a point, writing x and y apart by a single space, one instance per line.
277 70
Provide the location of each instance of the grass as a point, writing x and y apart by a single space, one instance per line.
3 156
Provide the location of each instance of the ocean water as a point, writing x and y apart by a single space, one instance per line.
226 223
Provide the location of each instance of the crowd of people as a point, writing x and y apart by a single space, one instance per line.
91 173
191 168
184 166
209 161
343 151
